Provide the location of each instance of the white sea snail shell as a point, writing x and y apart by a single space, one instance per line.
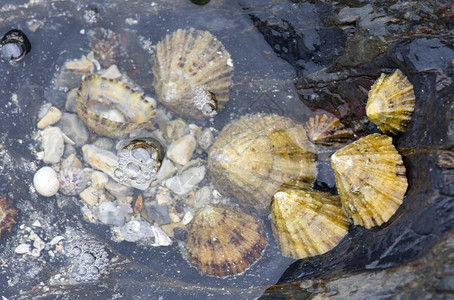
46 182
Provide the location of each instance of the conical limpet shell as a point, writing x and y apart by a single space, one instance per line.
327 130
255 156
307 223
391 103
192 73
370 178
110 108
223 241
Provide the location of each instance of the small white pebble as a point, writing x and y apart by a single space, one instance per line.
22 249
188 217
36 224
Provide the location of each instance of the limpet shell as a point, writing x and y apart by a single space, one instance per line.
326 130
256 155
307 223
223 241
110 108
391 103
370 178
192 73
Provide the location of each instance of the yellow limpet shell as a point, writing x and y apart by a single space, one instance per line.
192 73
253 157
391 103
370 178
326 130
110 108
224 241
307 223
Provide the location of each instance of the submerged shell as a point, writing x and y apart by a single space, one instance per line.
223 241
72 180
192 73
111 108
391 103
256 155
307 223
370 178
327 130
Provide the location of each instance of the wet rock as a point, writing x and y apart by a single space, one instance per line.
157 212
74 128
428 277
307 46
99 180
90 196
71 102
100 159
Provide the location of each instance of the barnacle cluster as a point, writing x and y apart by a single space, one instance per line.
88 259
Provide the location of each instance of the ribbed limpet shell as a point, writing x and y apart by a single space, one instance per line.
307 223
256 155
223 241
110 108
391 103
370 178
326 130
192 73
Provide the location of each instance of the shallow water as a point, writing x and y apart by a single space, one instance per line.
267 62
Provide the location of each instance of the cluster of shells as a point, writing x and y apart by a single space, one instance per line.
258 164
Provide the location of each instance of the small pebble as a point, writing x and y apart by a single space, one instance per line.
186 181
90 196
46 182
99 180
188 216
79 65
52 116
52 145
180 151
157 212
22 249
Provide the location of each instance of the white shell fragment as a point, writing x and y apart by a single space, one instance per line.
160 237
46 182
